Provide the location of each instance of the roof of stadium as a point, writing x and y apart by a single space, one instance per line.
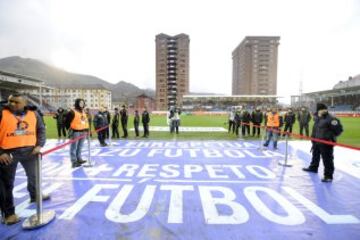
19 82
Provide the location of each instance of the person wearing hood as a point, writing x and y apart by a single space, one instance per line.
60 122
326 127
22 135
273 125
77 123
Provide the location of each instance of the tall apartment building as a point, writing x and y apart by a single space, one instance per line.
172 70
255 66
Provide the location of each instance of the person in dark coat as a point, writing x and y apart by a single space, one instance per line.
100 121
246 118
237 120
136 122
107 114
145 119
124 120
115 124
326 127
304 118
256 119
289 120
60 122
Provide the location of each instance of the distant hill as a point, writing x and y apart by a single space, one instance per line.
52 76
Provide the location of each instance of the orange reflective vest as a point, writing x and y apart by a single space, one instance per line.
16 131
80 121
273 120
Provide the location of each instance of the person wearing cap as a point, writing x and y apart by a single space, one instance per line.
326 127
124 120
22 135
304 118
256 119
77 123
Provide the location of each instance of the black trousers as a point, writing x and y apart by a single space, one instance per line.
237 126
256 129
245 128
136 126
61 130
288 128
101 136
115 131
326 152
231 126
146 129
7 178
124 128
306 127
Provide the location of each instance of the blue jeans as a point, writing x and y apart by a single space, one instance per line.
76 147
270 134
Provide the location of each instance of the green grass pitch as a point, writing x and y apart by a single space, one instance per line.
351 134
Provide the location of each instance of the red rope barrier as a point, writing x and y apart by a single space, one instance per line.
306 137
71 141
257 126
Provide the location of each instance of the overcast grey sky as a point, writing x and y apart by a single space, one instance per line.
115 40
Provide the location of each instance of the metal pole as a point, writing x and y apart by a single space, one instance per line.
110 136
40 218
285 163
89 148
90 163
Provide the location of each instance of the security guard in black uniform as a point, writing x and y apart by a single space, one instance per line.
326 127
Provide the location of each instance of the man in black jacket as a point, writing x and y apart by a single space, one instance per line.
107 114
115 124
304 118
60 121
145 119
100 121
326 127
246 118
256 119
136 122
22 135
124 120
289 120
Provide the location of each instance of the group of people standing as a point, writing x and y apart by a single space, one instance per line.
326 127
239 118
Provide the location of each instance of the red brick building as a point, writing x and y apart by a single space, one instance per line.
144 100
